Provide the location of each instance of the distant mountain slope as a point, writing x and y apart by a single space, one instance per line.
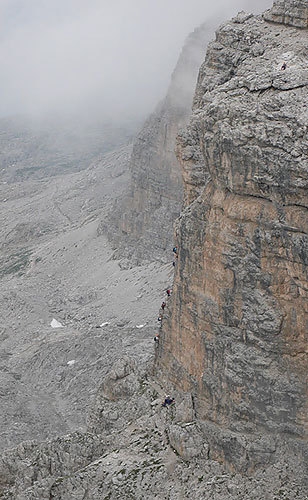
232 346
35 149
55 264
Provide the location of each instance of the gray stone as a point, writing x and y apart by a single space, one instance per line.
236 332
290 12
140 225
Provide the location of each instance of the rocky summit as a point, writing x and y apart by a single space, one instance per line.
231 361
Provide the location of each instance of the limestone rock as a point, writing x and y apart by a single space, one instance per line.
119 397
187 441
129 459
291 12
141 459
33 462
233 340
65 272
155 193
236 331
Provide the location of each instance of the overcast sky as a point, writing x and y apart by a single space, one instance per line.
115 56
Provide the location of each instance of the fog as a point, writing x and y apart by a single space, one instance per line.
97 56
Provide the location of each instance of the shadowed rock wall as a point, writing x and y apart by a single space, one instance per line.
140 226
235 329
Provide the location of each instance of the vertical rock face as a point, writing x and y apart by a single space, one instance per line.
235 330
155 193
291 12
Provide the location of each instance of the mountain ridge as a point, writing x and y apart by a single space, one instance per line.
232 346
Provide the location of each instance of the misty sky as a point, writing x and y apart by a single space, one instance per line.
112 56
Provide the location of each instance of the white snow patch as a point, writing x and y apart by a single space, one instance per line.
56 324
71 362
140 326
104 324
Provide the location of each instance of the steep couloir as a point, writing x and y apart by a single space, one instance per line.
235 329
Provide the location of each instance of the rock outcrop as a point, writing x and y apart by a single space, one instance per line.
155 194
233 344
294 13
235 328
135 449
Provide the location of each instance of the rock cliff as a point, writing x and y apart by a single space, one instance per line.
235 328
233 344
293 13
154 197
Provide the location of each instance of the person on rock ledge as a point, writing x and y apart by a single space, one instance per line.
176 257
284 66
168 401
163 305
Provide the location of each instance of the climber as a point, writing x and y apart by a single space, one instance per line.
175 250
159 318
168 401
163 305
156 338
173 263
283 67
168 292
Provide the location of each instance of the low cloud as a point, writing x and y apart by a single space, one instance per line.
103 57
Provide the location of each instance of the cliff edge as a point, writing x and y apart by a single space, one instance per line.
233 343
235 329
140 224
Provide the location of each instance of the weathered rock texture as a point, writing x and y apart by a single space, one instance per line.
293 13
54 265
235 329
233 335
135 449
155 194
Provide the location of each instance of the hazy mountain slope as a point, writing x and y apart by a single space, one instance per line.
36 148
154 197
227 352
54 264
